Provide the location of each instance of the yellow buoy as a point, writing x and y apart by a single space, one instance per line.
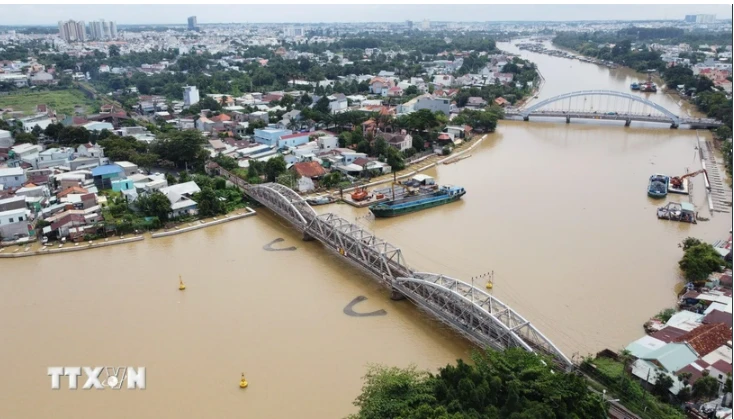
181 285
243 382
489 285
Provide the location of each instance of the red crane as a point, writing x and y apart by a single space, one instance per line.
676 181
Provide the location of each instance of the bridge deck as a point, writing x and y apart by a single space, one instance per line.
467 309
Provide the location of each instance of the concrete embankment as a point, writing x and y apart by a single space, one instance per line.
71 247
250 212
414 172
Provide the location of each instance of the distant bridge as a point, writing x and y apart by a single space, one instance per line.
468 310
607 105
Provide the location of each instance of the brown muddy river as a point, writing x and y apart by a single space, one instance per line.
558 211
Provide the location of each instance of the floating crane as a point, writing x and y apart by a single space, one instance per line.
677 182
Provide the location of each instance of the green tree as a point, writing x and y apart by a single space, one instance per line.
228 163
395 159
723 132
706 387
322 105
699 261
411 90
25 137
145 161
114 51
662 386
501 384
208 203
154 205
274 168
306 99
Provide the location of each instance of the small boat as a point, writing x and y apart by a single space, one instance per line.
635 86
320 200
658 186
360 194
406 205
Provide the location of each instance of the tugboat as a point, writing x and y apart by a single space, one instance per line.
444 195
359 194
658 186
635 86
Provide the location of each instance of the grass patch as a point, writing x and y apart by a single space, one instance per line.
62 101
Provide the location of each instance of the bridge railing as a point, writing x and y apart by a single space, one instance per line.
380 257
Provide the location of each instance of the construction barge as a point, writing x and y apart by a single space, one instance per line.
684 212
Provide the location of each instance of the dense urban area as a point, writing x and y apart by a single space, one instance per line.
110 132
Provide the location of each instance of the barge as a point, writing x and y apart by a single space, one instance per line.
684 212
444 195
658 186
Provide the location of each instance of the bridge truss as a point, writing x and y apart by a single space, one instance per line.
601 102
471 311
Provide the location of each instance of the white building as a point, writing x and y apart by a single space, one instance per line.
191 95
13 177
6 140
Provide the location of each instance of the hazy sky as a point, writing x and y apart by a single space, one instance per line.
147 14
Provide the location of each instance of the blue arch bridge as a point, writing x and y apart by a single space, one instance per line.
607 105
469 310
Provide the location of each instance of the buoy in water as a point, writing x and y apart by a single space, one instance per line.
181 285
243 382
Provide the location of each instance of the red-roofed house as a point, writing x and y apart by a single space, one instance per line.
309 169
707 338
718 316
501 101
395 91
668 334
71 190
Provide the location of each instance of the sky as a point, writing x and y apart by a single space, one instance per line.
231 13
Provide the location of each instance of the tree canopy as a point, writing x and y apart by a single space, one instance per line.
699 260
513 384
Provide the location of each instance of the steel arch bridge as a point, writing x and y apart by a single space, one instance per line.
467 309
650 112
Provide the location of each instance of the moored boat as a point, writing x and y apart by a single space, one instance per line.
635 86
658 186
406 205
359 194
320 200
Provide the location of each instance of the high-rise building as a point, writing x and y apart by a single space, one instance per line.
409 24
700 18
72 31
113 30
192 23
426 25
101 30
191 95
705 18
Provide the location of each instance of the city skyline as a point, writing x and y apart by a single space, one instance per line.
169 14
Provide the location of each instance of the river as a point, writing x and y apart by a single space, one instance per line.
559 213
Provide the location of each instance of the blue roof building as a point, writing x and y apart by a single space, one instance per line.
104 175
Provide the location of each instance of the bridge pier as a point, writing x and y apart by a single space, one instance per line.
673 126
395 295
525 118
307 237
627 122
568 119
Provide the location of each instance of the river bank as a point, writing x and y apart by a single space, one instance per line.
37 249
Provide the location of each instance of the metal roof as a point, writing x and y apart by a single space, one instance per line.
673 356
106 170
